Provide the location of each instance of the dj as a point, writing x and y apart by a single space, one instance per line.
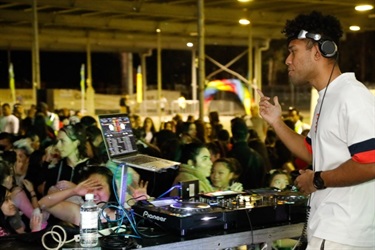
341 143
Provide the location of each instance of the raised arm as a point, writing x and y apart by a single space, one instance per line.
272 114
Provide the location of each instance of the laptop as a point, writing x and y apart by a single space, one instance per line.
121 145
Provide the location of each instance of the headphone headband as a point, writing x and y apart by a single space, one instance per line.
327 47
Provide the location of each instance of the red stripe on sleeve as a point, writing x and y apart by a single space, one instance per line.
365 157
308 146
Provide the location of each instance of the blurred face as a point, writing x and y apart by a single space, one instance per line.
220 175
192 130
208 129
280 181
8 208
148 124
102 193
203 162
65 145
35 142
294 116
6 110
22 162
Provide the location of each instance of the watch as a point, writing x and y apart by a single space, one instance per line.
318 181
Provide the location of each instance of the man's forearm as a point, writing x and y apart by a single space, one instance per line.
349 173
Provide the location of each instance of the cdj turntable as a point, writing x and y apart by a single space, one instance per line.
181 216
226 209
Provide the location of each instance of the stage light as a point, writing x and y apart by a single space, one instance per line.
364 7
244 21
354 28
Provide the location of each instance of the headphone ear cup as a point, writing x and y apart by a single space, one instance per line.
327 48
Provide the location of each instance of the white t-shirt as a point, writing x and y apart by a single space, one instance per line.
9 124
345 130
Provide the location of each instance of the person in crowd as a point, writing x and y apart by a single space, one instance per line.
45 133
72 151
96 180
188 130
24 202
96 149
341 142
19 111
8 122
224 139
299 125
259 146
253 169
88 121
279 179
208 131
216 126
6 141
216 151
52 119
201 131
23 150
258 124
195 165
149 129
224 174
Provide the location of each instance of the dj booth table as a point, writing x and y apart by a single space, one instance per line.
227 239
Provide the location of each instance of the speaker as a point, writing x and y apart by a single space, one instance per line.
327 47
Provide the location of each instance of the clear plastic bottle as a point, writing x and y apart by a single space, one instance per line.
89 222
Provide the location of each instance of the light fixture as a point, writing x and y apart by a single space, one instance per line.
244 1
190 44
354 28
158 30
364 7
244 21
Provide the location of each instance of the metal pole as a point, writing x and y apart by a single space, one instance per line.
159 74
250 69
193 75
35 53
201 58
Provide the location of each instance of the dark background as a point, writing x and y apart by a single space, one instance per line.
62 69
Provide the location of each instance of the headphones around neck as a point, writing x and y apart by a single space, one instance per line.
327 47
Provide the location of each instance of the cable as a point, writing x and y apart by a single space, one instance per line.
57 238
169 190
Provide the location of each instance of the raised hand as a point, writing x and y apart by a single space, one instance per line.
270 112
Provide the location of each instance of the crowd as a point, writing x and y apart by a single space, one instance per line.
49 160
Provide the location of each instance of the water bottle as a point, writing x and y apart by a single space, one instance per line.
89 222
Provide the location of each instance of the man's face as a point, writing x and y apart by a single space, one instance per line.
6 110
300 62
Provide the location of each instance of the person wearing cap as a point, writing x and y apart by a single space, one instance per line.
341 143
253 166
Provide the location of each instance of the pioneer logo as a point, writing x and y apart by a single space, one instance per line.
153 216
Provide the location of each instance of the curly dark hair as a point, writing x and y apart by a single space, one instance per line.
314 22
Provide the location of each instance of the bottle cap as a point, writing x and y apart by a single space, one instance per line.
89 197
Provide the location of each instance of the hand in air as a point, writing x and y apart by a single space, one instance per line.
270 112
304 182
139 190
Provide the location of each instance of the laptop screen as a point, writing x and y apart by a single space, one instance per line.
118 134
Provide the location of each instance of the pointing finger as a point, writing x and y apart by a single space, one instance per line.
260 93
